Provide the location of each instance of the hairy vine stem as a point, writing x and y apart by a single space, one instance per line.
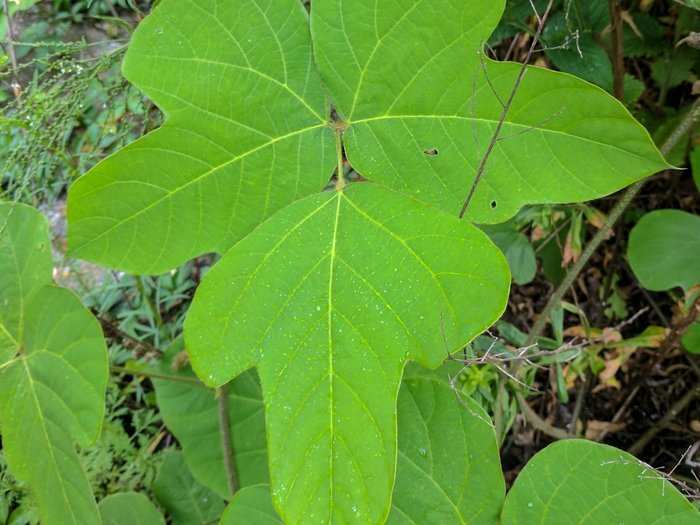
618 57
541 21
226 439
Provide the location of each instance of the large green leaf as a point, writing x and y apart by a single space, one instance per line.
663 250
420 111
252 506
53 372
190 413
129 508
245 135
186 500
248 132
586 483
329 298
449 470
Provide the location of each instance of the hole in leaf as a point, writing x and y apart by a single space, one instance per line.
431 152
493 204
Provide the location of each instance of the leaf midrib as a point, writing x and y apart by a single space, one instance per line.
49 448
521 127
283 85
4 330
434 483
331 364
191 182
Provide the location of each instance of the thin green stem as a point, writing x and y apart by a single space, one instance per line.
155 375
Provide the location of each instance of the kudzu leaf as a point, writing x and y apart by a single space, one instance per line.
329 299
129 508
252 506
577 481
663 250
190 412
420 111
449 470
245 134
247 128
186 500
330 296
53 372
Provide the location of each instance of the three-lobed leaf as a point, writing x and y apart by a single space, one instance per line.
53 372
329 299
663 250
248 129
